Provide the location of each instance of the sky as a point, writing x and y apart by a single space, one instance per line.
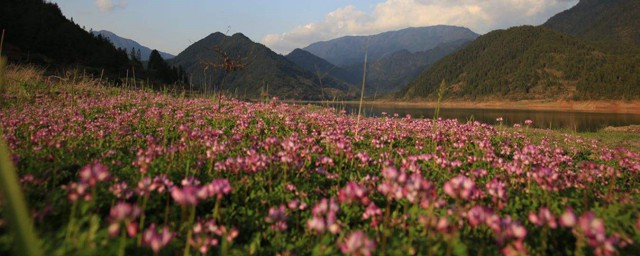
283 25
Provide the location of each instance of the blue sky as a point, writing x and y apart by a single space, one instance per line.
282 25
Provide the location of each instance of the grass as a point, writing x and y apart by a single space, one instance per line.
118 171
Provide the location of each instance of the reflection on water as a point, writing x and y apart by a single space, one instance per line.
576 121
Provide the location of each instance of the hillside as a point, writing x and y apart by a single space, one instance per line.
128 44
37 32
265 72
349 50
606 21
530 63
319 66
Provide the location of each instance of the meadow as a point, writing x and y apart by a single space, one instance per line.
107 170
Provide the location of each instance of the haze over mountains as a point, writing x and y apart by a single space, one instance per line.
602 62
128 44
349 50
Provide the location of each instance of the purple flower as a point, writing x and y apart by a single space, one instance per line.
156 240
325 216
459 187
353 192
357 243
544 217
217 188
123 214
277 218
93 173
188 195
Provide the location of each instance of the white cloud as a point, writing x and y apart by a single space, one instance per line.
110 5
480 16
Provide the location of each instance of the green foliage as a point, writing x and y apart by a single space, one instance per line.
614 23
38 32
159 69
531 63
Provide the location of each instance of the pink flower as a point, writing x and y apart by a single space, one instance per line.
528 122
325 216
568 218
544 217
185 196
217 188
357 243
353 192
460 187
76 191
161 184
93 173
277 218
156 240
477 215
123 214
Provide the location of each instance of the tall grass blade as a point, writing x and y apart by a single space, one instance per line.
364 79
16 210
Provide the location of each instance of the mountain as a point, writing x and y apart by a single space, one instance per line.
349 50
394 71
265 72
37 32
531 63
321 67
128 44
605 21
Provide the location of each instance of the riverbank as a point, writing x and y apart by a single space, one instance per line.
576 106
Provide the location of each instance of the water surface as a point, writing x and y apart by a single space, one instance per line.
575 121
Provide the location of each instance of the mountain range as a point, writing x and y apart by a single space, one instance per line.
128 44
350 50
579 54
393 58
263 73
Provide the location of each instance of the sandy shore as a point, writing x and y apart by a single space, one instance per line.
582 106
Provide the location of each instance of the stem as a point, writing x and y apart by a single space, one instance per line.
123 240
72 221
385 226
142 216
192 217
216 209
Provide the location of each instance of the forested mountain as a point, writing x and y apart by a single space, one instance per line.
604 21
349 50
37 32
128 44
264 72
531 63
591 51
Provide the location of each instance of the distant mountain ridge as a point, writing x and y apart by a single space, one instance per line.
265 73
349 50
128 44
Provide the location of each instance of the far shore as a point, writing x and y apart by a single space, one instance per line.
632 107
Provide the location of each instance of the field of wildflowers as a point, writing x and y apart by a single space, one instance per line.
113 171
